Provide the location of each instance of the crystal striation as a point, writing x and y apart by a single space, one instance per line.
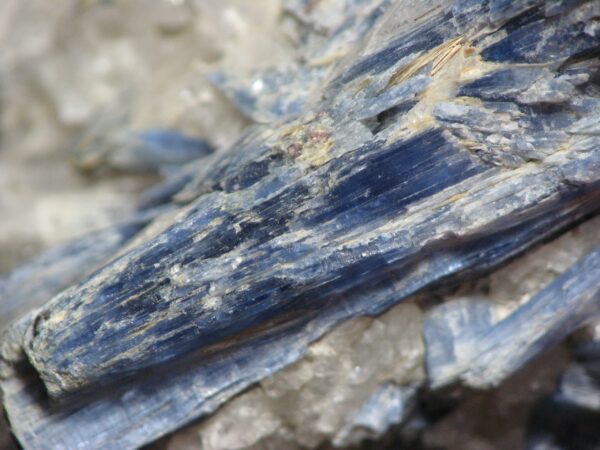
411 166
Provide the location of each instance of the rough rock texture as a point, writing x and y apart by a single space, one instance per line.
514 284
482 351
408 153
498 418
319 399
494 419
251 250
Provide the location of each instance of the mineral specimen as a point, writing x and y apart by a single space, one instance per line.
402 156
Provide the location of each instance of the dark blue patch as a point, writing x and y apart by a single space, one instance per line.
392 178
529 16
421 39
529 44
501 85
229 171
250 173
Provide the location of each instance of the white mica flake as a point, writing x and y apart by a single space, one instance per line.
258 86
236 262
178 276
212 302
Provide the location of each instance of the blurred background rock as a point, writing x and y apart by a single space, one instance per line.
68 66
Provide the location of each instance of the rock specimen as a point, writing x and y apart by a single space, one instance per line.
407 154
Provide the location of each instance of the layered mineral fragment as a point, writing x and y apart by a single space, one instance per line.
404 154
